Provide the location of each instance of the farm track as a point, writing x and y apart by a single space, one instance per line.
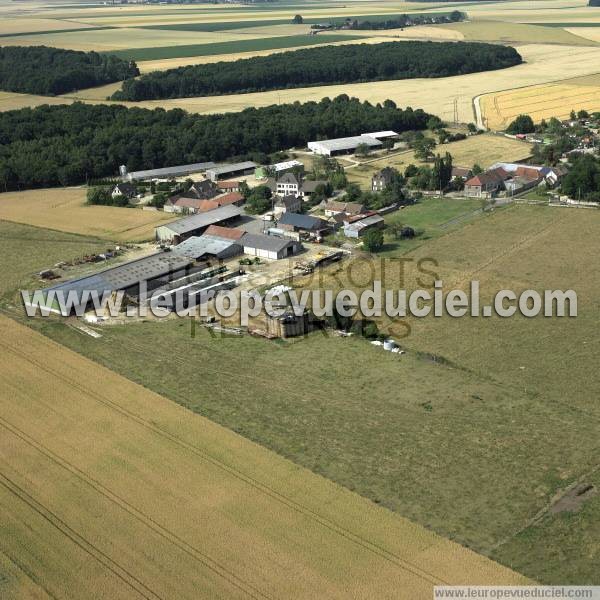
232 471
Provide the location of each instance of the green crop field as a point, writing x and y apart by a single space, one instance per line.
228 47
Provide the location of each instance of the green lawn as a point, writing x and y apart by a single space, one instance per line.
291 41
430 218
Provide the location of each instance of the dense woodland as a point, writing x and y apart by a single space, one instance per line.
52 71
321 66
66 145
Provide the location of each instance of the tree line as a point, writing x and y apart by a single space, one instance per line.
72 144
326 65
398 22
52 71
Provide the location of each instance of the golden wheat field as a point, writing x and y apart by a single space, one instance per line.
542 101
138 498
64 209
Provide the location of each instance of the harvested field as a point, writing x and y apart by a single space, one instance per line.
542 101
64 209
144 511
26 25
120 39
516 33
590 33
14 101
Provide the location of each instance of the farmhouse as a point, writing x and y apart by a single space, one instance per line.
207 246
343 145
124 189
289 184
382 179
231 170
486 184
166 172
358 228
202 190
179 204
333 207
229 186
178 231
268 246
461 173
291 204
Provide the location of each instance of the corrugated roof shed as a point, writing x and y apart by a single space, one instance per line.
175 171
211 217
196 247
128 274
233 168
348 143
269 243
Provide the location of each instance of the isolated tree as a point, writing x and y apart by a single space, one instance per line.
373 240
424 148
522 124
472 128
583 114
477 169
441 174
298 20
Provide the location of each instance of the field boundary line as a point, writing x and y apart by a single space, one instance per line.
249 480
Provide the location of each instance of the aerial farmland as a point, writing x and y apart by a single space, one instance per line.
182 187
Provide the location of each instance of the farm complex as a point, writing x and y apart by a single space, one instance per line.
299 299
